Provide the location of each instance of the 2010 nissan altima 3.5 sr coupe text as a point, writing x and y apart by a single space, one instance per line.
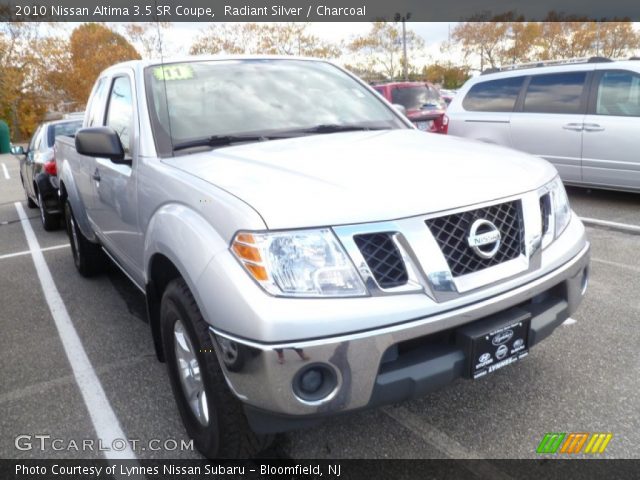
304 251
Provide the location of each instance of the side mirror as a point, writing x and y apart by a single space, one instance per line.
101 142
400 108
17 150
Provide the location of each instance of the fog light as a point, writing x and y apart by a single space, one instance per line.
315 383
311 381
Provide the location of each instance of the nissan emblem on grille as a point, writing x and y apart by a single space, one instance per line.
475 239
484 238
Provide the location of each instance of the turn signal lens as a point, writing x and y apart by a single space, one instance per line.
245 238
258 272
246 252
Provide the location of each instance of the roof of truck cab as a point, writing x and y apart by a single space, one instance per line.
141 64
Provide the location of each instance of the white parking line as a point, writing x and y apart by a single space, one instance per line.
616 264
443 442
6 172
104 419
569 321
605 223
43 387
28 252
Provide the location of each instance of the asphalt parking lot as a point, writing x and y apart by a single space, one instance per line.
584 378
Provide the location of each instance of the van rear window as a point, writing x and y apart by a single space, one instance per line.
493 95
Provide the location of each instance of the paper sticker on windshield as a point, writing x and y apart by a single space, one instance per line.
173 72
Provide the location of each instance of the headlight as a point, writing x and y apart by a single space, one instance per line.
561 209
555 210
301 263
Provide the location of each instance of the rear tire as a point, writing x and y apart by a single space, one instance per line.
87 256
214 418
49 222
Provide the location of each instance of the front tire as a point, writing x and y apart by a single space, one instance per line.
212 415
87 256
49 222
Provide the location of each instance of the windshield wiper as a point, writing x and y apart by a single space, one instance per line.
220 140
223 140
335 128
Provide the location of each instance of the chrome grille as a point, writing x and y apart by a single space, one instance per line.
452 231
383 258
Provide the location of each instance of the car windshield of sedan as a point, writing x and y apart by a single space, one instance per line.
201 100
416 97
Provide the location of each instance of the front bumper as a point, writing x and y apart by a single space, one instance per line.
388 364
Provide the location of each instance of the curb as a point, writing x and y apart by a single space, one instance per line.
621 227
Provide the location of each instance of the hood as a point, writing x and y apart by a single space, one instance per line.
356 177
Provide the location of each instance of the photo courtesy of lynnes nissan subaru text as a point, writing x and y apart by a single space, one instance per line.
304 250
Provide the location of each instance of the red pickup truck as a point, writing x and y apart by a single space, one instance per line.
422 101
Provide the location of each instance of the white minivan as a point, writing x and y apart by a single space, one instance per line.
583 115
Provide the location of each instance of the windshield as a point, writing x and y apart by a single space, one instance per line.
256 97
416 97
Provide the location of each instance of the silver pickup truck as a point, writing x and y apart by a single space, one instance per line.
303 249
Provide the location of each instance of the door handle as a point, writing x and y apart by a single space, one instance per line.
96 175
576 127
593 127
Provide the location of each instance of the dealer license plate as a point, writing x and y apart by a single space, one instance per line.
496 342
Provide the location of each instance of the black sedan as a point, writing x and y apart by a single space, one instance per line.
38 169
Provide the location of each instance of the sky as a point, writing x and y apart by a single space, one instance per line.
181 35
432 32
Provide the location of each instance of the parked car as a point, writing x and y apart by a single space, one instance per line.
300 255
421 101
38 169
583 115
447 95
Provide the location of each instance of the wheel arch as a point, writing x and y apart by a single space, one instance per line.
179 242
69 191
161 271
